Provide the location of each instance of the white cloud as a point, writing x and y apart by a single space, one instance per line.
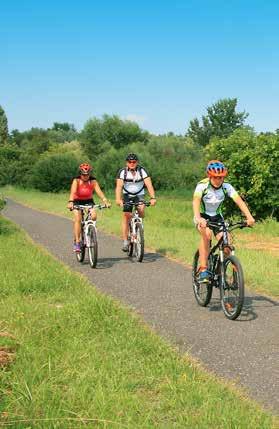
136 118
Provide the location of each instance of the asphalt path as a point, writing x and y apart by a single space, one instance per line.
244 351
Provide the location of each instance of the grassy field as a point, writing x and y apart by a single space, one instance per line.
72 357
169 230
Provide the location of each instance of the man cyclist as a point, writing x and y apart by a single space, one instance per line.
82 189
131 181
208 199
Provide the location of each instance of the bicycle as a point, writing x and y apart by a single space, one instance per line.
136 233
225 273
89 239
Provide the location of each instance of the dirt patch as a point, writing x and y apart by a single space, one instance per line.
7 355
255 242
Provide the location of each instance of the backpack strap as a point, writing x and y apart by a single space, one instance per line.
139 169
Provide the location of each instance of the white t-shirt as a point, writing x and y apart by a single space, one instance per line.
211 198
133 180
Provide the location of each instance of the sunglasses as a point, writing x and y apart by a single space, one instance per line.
132 162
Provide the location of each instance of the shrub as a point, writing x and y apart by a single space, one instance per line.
54 173
253 162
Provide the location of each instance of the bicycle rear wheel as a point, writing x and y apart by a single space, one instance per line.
139 245
232 291
202 291
93 246
80 255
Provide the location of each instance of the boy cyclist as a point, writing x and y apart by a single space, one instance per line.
208 199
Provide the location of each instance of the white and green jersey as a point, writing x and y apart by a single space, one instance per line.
211 198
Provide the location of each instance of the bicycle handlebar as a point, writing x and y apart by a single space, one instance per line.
228 225
89 206
139 203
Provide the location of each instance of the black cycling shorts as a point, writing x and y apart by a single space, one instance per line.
127 208
88 202
216 218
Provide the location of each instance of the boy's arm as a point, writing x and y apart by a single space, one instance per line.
244 209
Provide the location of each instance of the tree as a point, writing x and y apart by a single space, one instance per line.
221 121
111 129
253 162
3 127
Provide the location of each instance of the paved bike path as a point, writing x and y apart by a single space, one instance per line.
160 290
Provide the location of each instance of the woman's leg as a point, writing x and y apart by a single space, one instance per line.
77 225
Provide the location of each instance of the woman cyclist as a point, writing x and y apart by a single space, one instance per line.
208 199
82 190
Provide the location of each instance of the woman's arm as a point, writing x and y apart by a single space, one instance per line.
99 192
72 194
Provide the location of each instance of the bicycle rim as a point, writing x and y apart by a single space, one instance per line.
93 247
202 291
232 291
139 243
131 246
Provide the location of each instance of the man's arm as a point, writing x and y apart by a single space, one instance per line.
148 184
118 192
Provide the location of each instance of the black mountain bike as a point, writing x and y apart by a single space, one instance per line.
225 273
136 233
89 239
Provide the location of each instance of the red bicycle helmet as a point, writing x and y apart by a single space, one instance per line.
85 168
216 168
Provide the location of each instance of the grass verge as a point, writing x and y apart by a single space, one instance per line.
169 230
80 358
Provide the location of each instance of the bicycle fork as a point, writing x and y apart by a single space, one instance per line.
87 232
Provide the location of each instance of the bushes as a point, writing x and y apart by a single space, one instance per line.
54 173
253 162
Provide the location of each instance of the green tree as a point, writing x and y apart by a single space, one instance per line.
221 121
253 163
111 129
4 133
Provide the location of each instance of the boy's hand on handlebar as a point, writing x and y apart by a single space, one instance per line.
119 203
250 220
202 223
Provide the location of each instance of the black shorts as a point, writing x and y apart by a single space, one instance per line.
127 208
216 218
88 202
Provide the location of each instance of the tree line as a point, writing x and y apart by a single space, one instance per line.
47 159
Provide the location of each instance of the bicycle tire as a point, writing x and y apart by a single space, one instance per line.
131 245
93 246
202 291
80 255
139 245
232 292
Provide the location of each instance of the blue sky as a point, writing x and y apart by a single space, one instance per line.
160 63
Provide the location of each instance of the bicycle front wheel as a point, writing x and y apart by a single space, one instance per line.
232 290
202 291
139 245
80 255
93 246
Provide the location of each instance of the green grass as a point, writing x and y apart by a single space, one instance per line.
83 360
169 230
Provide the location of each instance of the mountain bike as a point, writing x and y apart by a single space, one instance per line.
89 239
136 232
225 273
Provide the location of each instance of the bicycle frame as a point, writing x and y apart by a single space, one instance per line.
223 242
